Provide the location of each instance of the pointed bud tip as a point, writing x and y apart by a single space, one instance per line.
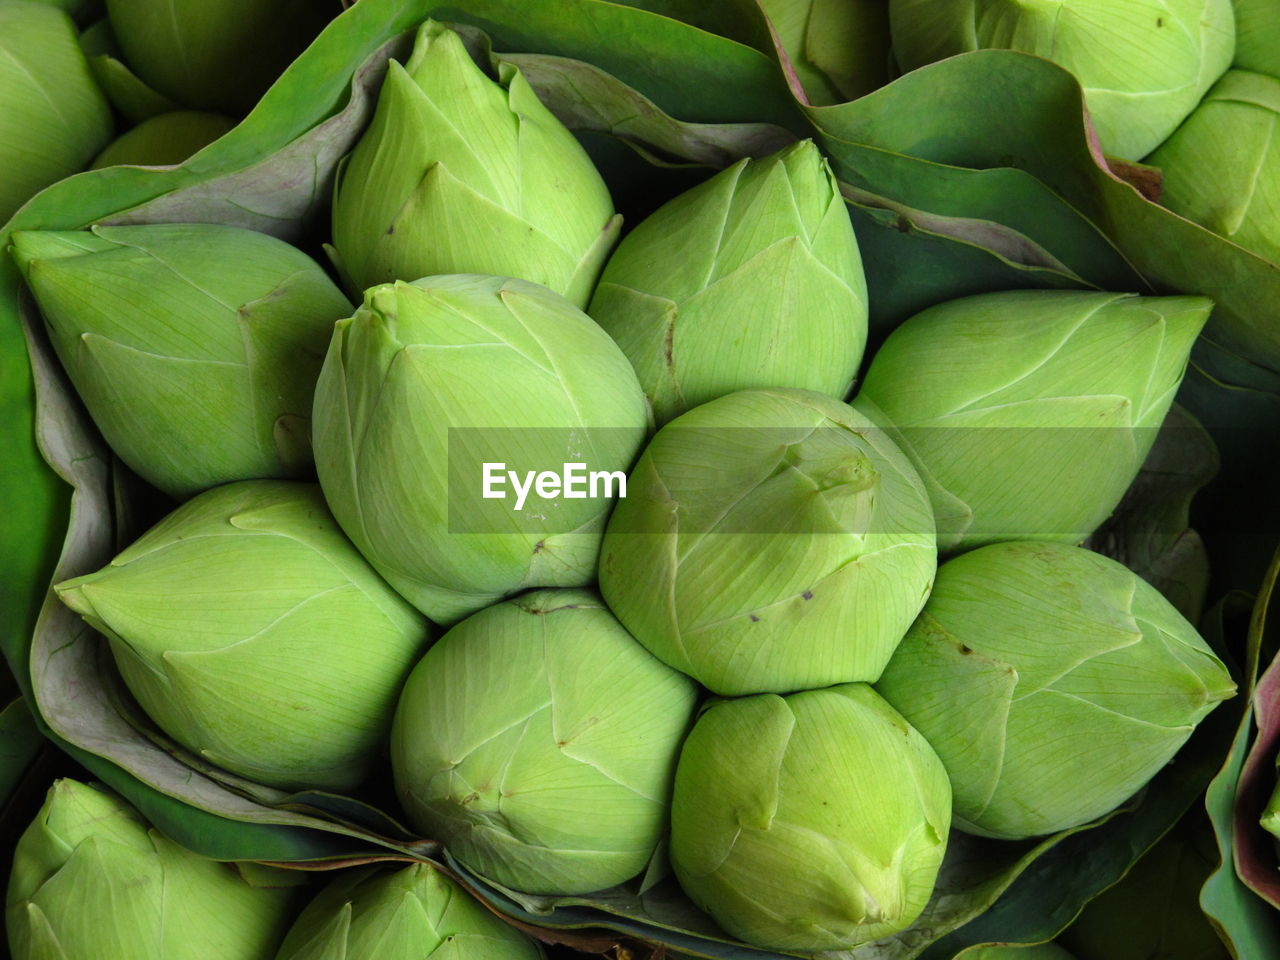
74 595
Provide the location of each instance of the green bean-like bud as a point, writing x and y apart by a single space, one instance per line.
751 279
1052 681
1029 413
53 117
251 631
770 541
92 881
430 382
413 913
195 347
538 741
815 821
458 173
1222 168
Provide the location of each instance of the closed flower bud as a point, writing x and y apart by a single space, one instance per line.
1143 64
251 631
431 381
53 117
1029 413
1221 168
1053 683
218 55
461 174
538 741
92 881
165 139
195 347
770 541
752 279
1257 36
816 821
411 913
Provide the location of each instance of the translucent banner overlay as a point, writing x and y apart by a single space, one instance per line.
990 482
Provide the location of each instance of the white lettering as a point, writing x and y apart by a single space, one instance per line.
609 476
493 476
575 481
522 491
548 485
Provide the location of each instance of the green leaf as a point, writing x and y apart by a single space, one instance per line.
1245 922
999 108
20 744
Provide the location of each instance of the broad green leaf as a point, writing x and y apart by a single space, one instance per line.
998 108
1246 922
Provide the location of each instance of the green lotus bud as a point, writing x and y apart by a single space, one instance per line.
1052 682
1029 413
815 821
751 279
91 881
770 540
165 139
218 55
195 347
434 395
1257 36
1220 168
459 174
53 117
538 741
134 100
407 914
1143 64
251 631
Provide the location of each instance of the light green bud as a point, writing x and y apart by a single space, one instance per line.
218 55
751 279
53 117
1053 683
250 630
459 174
165 139
408 914
1029 413
132 98
195 347
810 822
537 740
1257 36
770 540
91 881
1222 168
1143 64
431 380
